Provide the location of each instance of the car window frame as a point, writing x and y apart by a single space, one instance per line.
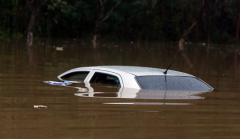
78 70
104 72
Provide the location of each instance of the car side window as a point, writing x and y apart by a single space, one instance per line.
103 78
76 76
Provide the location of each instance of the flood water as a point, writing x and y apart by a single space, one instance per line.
74 114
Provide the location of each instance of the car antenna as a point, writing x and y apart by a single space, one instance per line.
165 72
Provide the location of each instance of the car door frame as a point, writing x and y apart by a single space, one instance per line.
90 75
76 70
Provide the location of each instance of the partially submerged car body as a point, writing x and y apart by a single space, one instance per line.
135 93
137 78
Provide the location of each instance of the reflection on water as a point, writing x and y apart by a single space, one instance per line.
105 92
67 116
150 103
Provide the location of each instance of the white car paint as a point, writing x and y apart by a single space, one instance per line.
129 86
126 74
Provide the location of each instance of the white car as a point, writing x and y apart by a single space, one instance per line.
137 78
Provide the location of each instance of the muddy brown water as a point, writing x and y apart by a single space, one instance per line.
73 114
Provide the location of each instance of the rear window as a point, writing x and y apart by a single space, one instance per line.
184 83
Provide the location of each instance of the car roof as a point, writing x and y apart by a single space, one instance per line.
138 71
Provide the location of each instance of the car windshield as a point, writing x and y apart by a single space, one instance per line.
184 83
76 76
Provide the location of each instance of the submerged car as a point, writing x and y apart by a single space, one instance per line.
137 78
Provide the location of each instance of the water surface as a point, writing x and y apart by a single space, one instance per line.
72 113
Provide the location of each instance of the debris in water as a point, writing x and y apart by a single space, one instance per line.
59 48
64 83
39 106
